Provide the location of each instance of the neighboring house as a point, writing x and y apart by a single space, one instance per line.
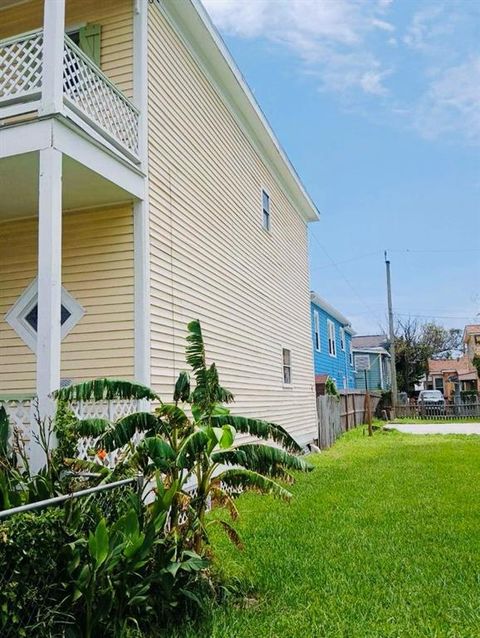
372 362
332 345
142 188
471 341
451 376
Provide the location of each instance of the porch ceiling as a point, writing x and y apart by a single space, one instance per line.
82 188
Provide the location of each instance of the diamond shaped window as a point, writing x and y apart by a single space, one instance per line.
23 315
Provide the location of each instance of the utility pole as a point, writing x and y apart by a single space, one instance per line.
392 337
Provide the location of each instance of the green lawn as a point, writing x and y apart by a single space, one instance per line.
382 540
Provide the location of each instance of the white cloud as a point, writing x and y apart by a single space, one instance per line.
452 103
328 36
351 48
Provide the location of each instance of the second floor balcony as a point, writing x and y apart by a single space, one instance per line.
87 96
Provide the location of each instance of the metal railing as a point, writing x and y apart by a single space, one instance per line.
87 91
32 585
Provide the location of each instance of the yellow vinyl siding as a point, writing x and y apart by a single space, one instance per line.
210 257
115 17
97 269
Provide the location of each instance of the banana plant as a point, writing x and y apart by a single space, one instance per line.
197 451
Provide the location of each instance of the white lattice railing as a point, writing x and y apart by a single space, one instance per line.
87 91
111 410
21 67
20 414
91 93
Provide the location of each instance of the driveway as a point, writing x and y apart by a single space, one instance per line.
435 428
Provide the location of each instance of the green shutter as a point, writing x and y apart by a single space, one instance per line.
89 40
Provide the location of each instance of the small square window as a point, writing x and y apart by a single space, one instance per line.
32 316
23 315
266 210
287 366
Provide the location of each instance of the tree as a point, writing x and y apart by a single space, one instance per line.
416 343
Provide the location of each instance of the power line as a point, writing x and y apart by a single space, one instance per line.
349 284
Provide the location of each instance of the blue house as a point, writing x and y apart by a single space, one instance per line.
332 344
371 360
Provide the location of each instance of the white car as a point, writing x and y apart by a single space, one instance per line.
431 398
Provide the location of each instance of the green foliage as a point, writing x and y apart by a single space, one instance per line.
469 396
415 343
187 449
331 388
146 561
33 574
476 363
104 390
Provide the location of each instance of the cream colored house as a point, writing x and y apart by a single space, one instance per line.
141 187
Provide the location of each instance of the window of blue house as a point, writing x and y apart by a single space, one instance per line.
350 354
342 339
316 328
266 210
332 340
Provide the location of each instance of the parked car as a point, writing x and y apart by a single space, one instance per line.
431 401
431 397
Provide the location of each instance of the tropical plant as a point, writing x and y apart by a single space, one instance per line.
116 571
196 455
331 388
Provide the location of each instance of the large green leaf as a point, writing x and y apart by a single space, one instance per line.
266 458
253 481
207 390
194 446
258 428
92 427
123 430
105 389
159 451
182 388
98 543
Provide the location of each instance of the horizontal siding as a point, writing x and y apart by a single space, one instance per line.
210 257
338 368
97 269
115 16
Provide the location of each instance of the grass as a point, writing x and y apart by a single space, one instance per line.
382 540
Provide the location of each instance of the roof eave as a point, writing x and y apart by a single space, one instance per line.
194 25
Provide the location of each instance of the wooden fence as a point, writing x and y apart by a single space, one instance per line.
447 412
337 415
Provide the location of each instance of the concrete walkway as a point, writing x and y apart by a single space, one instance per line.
435 428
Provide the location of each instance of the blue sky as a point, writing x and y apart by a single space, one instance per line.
377 103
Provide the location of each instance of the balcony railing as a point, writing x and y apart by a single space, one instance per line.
86 89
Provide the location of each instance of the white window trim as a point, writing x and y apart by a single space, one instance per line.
342 339
266 228
316 330
285 384
15 317
350 355
333 340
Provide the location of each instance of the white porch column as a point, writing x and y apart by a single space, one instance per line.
52 62
49 283
141 210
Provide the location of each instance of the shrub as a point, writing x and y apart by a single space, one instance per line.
33 580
